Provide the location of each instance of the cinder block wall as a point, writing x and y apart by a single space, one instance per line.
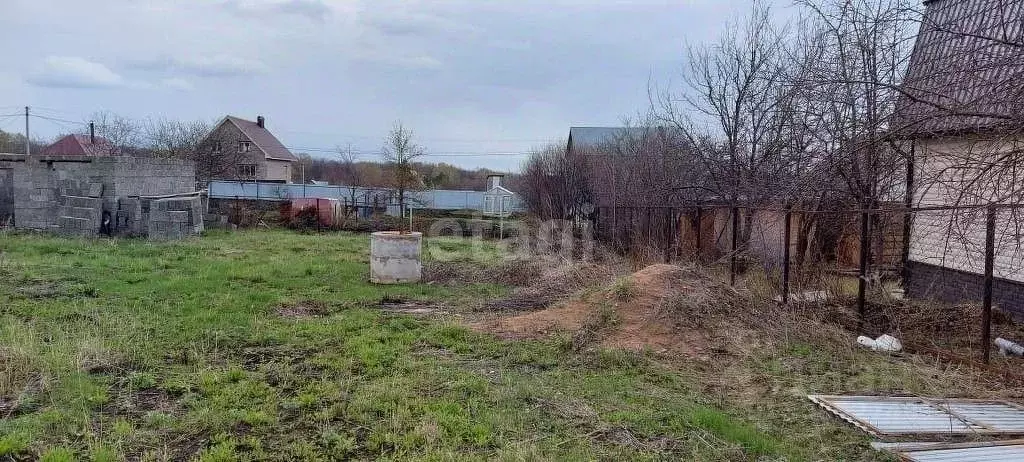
7 163
71 194
137 176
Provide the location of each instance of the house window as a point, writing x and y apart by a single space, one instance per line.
217 147
247 170
244 146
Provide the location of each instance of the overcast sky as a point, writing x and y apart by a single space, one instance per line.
468 76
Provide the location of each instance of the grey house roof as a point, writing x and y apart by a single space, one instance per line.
965 69
266 141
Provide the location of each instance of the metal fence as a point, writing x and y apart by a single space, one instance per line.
435 199
964 254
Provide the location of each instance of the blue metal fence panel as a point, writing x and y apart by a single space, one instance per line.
437 199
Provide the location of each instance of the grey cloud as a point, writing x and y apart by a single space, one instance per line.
74 72
314 10
175 83
404 23
204 66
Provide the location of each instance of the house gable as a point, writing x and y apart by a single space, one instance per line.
266 159
269 145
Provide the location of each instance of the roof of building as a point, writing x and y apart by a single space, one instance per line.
79 145
499 191
272 147
965 69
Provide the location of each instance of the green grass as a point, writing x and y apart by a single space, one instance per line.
113 350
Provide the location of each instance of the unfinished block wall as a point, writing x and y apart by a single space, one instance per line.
82 196
6 192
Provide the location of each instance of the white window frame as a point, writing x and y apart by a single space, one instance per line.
245 146
243 170
218 147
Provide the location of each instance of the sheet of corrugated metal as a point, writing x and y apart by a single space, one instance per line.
916 416
991 415
1007 451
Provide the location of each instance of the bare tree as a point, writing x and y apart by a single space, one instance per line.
735 112
123 134
854 54
555 183
350 169
194 140
399 152
175 138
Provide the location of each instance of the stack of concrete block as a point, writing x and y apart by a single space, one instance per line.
128 218
80 216
175 218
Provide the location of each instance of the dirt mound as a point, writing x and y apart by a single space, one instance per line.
645 310
550 286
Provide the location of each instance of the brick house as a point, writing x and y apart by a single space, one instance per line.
239 149
960 116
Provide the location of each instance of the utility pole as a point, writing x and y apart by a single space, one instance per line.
28 144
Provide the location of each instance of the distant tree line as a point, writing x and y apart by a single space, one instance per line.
339 169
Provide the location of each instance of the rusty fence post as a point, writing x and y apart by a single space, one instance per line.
732 253
865 255
986 304
908 221
667 230
696 253
787 237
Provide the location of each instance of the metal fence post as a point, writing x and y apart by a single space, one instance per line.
865 254
667 230
697 252
732 254
986 309
908 220
787 236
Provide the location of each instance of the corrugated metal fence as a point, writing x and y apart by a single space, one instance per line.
437 199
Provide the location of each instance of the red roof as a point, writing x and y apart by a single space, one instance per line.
79 145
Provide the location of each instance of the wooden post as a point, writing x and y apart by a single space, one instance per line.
986 304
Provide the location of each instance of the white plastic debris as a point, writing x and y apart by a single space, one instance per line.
884 342
1007 347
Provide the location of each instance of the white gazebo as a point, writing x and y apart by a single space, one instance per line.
498 201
